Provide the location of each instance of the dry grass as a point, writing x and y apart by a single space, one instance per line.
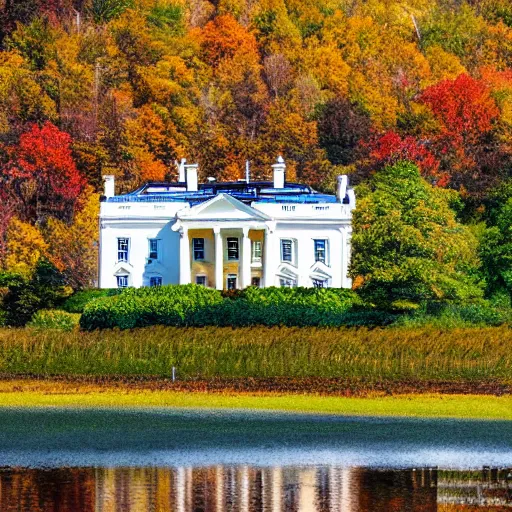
367 355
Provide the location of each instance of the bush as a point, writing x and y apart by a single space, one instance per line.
450 315
141 307
77 302
54 319
21 296
283 306
199 306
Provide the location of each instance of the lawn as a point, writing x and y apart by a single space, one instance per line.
27 393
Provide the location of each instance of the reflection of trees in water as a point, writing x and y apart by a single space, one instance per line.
249 489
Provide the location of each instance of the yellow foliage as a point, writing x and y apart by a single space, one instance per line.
443 65
25 246
73 249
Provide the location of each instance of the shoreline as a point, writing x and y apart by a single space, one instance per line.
24 393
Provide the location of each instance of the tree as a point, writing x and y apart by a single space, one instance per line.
341 127
25 247
103 11
73 249
496 252
391 148
43 172
407 245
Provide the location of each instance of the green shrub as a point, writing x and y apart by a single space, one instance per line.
452 315
77 302
282 306
21 296
54 319
199 306
141 307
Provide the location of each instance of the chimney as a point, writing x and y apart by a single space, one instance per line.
109 186
191 177
341 187
279 169
181 170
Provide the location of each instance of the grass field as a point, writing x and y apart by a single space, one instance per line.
28 393
401 355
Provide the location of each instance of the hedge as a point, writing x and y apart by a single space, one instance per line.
141 307
77 302
194 305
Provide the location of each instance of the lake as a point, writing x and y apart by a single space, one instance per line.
183 460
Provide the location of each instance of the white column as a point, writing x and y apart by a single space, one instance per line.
346 282
268 258
246 259
184 256
219 260
305 259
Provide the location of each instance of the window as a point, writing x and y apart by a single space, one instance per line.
256 281
232 248
256 252
153 248
201 280
155 281
122 281
287 283
231 282
287 250
320 283
198 247
321 250
122 249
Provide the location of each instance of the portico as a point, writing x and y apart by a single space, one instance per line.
222 244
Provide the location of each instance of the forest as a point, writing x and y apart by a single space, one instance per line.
129 87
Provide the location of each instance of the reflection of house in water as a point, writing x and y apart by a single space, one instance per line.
249 489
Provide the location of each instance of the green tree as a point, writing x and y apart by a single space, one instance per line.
408 246
496 252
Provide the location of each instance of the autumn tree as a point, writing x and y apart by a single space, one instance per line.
42 172
73 249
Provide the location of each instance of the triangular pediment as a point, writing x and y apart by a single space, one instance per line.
320 270
286 270
223 207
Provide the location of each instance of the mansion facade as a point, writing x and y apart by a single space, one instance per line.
226 235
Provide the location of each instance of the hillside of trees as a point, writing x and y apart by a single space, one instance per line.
128 87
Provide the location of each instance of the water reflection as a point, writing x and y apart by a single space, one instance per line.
251 489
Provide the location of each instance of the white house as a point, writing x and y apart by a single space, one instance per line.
225 235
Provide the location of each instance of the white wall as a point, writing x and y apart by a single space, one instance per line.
140 271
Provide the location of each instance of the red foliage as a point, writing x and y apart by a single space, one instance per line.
463 106
390 148
44 155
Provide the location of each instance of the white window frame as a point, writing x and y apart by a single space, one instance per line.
157 241
127 250
156 277
256 251
231 276
202 276
326 250
123 276
232 238
194 248
292 250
